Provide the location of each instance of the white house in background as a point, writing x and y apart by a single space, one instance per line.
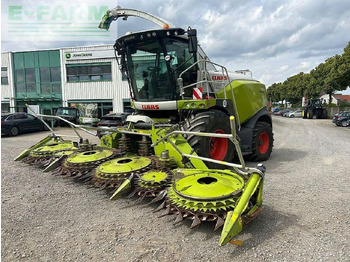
336 98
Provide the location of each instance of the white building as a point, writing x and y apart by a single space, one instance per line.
90 77
84 77
7 90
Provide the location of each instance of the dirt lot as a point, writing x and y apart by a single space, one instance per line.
305 217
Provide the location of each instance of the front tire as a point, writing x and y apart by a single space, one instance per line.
14 131
262 142
212 121
304 114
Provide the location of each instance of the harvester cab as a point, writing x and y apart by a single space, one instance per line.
193 117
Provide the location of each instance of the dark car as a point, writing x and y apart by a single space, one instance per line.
69 113
111 120
15 123
342 119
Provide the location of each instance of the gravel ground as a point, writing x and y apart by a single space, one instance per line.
305 217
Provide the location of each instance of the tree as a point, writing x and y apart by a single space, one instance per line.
344 68
326 78
274 92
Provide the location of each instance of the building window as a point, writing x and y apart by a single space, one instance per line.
89 72
50 80
4 76
30 79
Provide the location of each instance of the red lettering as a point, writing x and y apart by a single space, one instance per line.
215 78
150 107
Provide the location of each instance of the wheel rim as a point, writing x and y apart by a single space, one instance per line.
218 146
264 142
14 131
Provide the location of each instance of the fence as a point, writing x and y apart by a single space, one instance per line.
331 111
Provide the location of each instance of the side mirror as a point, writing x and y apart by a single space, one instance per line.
192 40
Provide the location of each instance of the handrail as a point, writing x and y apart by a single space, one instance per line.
224 72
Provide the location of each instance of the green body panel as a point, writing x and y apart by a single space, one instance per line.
111 141
180 142
250 97
156 134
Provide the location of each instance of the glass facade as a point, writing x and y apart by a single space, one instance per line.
37 74
37 80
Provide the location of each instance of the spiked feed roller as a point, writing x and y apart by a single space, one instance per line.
150 184
43 154
112 173
204 195
80 164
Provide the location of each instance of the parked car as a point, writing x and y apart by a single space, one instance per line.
296 113
69 113
275 110
282 112
342 119
15 123
111 120
285 114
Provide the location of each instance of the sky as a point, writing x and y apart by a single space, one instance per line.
274 39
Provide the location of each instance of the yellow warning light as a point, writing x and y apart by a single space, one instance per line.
166 26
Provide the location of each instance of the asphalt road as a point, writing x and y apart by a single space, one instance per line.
305 216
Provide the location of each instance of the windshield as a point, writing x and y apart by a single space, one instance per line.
153 67
66 111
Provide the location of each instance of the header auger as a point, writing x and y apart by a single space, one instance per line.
192 119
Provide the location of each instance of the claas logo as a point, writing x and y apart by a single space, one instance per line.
150 107
215 78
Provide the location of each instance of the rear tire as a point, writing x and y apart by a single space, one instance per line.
262 142
310 114
212 121
344 123
14 131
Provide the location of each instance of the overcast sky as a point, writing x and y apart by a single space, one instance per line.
274 39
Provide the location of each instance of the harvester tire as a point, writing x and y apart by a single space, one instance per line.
262 142
212 121
304 114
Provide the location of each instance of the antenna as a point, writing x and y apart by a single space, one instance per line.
197 20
